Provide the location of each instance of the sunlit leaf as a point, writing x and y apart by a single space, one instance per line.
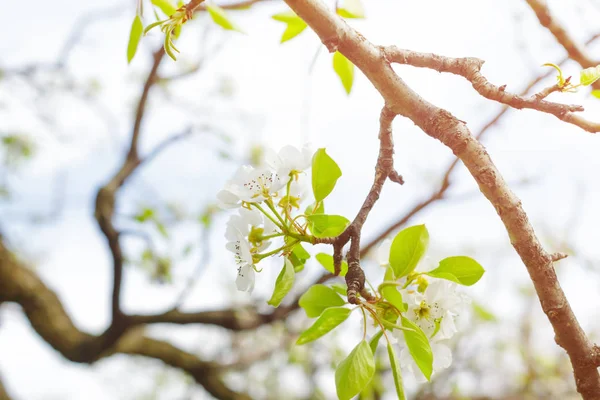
344 69
460 269
326 260
325 173
318 298
396 372
323 225
419 347
355 372
284 283
295 24
351 9
165 6
589 75
407 248
596 93
220 18
559 78
137 27
329 319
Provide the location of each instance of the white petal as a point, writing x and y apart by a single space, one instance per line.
245 278
272 160
383 252
442 356
447 327
292 158
227 199
251 217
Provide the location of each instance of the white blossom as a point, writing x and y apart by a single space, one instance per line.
437 306
289 161
251 185
383 252
245 278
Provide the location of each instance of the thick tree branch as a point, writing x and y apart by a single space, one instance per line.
50 320
440 124
470 68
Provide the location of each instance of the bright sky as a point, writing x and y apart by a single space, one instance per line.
278 101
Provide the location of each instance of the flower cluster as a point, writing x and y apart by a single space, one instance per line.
433 305
265 197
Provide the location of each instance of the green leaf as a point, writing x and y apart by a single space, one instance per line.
344 69
326 261
391 294
320 209
284 283
323 225
330 318
351 9
589 75
375 341
396 372
355 372
459 269
161 229
325 173
340 288
298 257
137 27
165 6
220 18
408 247
319 297
145 215
419 347
483 314
295 25
596 93
559 78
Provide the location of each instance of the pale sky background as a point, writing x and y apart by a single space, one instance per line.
278 101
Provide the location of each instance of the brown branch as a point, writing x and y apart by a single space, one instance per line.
440 124
50 320
470 68
105 208
576 52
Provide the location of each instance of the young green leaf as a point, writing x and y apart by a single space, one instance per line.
375 341
137 27
295 24
419 347
165 6
325 173
391 294
559 78
596 93
298 256
323 225
396 372
320 209
220 18
344 69
459 269
326 260
319 297
330 318
589 75
483 314
408 247
284 283
351 9
355 372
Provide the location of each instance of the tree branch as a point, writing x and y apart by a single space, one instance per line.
470 68
576 52
440 124
50 320
3 393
